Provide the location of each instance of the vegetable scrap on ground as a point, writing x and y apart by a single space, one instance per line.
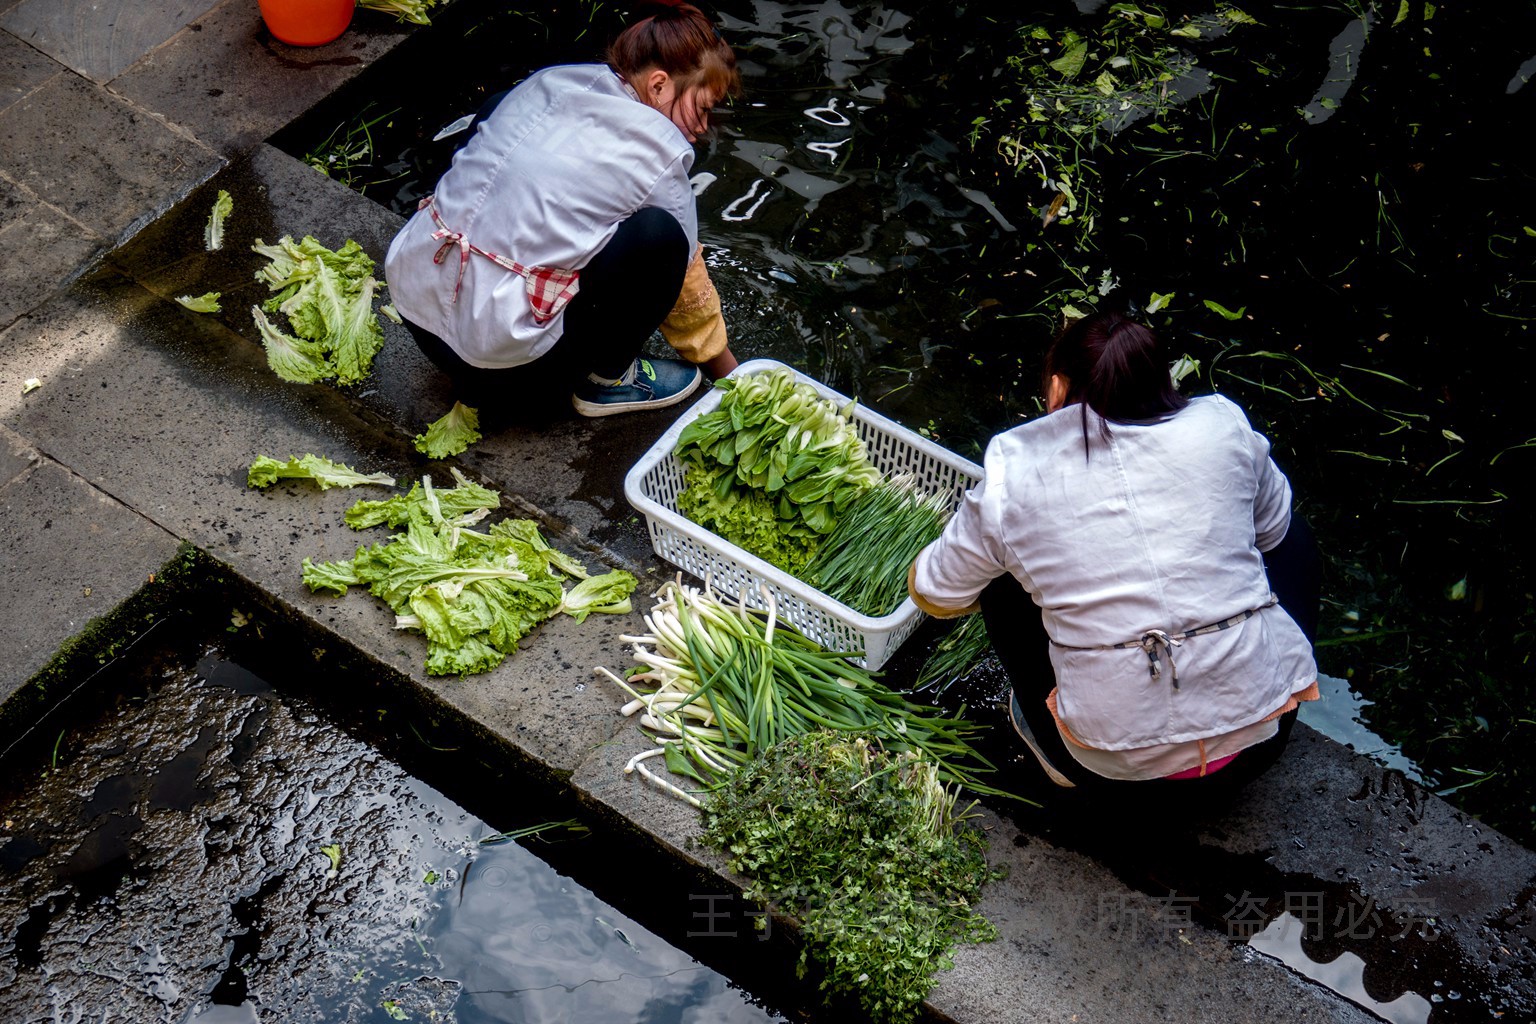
328 299
452 434
474 594
266 471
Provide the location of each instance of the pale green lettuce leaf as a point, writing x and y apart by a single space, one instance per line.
328 299
266 471
608 592
473 595
527 531
454 504
213 232
452 434
330 577
356 337
292 359
205 303
471 657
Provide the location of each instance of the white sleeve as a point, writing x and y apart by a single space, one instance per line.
1272 499
674 193
952 572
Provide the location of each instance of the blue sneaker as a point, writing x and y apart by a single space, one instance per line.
647 384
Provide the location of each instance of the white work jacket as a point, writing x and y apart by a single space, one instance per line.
548 177
1156 526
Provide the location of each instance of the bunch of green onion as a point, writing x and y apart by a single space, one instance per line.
863 562
954 656
718 684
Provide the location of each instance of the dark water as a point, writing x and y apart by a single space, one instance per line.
1347 179
167 859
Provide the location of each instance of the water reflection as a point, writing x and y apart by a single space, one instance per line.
212 850
1345 974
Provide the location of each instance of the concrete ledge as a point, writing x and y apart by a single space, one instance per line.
70 555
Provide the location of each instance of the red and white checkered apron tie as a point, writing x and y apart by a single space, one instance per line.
549 288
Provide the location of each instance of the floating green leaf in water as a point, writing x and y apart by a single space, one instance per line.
1071 62
1223 311
1182 367
1159 300
572 824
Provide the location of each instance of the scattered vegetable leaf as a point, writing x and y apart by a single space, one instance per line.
208 302
213 231
452 434
608 593
266 471
473 594
328 300
292 359
1223 311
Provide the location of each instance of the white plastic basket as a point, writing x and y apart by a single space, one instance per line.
654 483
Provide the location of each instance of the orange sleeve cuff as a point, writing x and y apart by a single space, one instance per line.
928 607
696 326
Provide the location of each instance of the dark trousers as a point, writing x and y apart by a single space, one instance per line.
1018 636
626 290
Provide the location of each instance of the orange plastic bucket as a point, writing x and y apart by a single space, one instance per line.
307 22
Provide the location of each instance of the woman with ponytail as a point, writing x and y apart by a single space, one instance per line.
565 232
1142 578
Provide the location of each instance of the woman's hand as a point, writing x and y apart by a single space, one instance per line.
720 365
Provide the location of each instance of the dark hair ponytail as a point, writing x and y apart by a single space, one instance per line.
679 39
1114 366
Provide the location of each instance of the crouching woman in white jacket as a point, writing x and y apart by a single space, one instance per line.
1141 575
565 233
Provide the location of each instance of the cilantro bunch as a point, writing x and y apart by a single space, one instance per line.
866 849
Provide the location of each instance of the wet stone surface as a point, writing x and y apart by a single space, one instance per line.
100 39
178 854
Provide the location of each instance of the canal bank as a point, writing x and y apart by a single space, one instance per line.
117 138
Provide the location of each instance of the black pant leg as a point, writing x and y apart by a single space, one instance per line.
627 289
1020 642
1295 575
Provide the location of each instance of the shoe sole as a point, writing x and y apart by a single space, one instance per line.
1025 733
595 409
